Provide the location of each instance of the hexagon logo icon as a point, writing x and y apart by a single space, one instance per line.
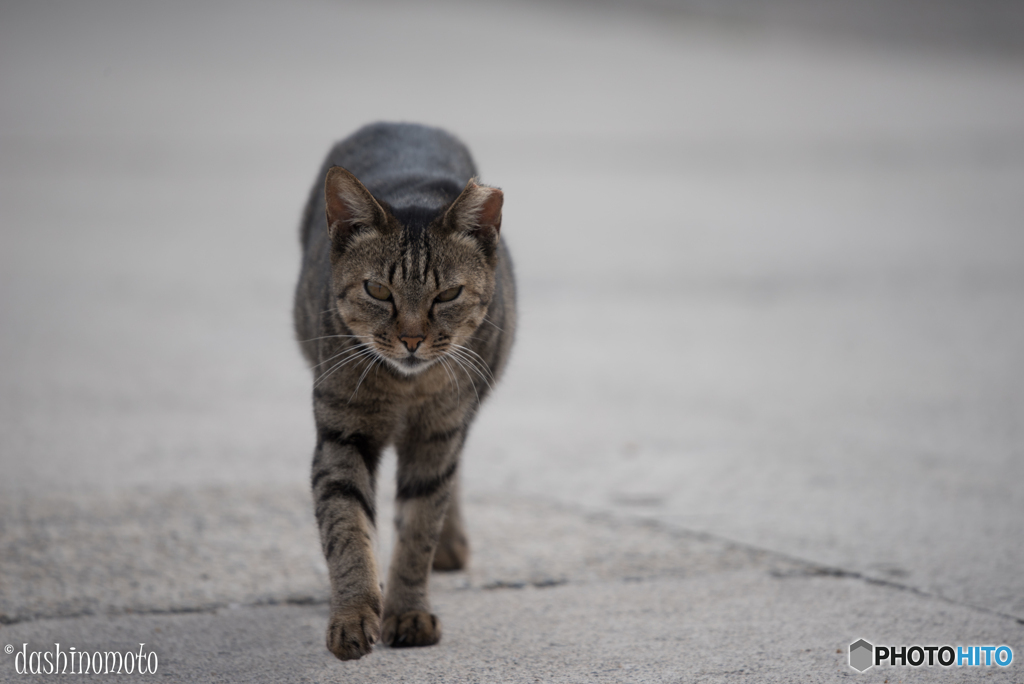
861 655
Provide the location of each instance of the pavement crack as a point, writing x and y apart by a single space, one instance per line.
181 610
796 568
517 584
810 570
209 608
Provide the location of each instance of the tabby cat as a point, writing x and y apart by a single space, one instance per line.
405 310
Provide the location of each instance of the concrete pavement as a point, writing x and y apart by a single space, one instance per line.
771 304
553 595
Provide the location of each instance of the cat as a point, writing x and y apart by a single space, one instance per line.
405 310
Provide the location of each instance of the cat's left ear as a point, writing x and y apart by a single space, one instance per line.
477 211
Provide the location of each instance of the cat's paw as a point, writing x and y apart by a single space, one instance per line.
352 632
452 553
415 628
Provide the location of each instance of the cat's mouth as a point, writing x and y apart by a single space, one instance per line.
407 365
412 362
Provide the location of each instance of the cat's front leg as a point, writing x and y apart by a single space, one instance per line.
426 471
344 470
452 551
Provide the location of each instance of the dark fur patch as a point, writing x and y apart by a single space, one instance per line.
343 489
416 219
443 436
422 488
331 544
319 475
363 444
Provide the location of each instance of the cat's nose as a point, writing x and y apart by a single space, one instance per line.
411 342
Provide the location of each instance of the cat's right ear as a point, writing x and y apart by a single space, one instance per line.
350 206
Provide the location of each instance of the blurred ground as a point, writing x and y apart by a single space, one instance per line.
993 27
772 301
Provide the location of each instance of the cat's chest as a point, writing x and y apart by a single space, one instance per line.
432 387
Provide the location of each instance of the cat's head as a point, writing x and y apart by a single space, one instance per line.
412 284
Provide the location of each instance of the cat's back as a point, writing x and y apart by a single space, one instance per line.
403 164
406 164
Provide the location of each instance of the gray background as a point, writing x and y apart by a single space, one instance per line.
771 266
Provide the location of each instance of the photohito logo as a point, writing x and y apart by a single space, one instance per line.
863 654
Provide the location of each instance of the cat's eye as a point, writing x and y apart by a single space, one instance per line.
449 294
378 291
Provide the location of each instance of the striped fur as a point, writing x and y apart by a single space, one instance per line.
396 209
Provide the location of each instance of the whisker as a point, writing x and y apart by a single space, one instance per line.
323 378
468 366
451 376
477 362
470 377
328 337
346 353
481 369
466 369
361 345
372 364
492 323
470 351
362 354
